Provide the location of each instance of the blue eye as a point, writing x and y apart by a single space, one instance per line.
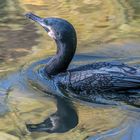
45 21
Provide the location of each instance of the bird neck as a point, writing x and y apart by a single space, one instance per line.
60 62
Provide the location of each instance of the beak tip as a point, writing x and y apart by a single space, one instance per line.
33 17
28 15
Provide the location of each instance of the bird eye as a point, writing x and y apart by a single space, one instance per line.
46 21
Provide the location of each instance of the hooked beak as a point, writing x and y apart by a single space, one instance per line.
34 17
37 19
41 22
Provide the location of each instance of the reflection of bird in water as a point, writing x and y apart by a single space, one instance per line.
64 119
102 77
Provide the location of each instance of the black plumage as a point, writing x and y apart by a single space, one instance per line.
102 77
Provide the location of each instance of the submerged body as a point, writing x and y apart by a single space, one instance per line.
102 77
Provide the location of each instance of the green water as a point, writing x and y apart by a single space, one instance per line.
106 30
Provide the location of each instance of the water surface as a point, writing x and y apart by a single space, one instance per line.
106 30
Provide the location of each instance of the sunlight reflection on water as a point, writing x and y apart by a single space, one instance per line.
110 32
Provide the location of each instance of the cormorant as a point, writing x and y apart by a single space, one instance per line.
101 77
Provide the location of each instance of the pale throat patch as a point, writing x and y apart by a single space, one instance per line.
51 33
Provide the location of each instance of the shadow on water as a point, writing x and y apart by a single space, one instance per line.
66 116
111 32
36 77
64 119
